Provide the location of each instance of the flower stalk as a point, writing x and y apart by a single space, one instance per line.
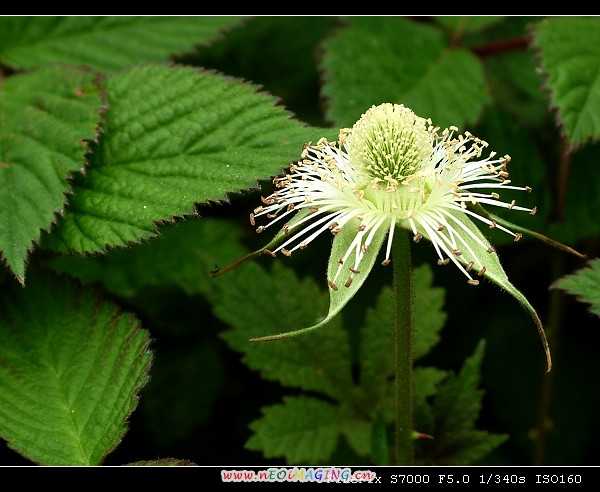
403 339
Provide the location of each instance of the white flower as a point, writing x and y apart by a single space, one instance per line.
393 169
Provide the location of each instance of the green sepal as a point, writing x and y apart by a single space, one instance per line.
485 256
339 295
523 230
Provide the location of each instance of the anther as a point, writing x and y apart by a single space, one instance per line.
303 246
361 228
512 204
443 262
533 211
332 285
417 237
341 261
348 282
269 252
456 252
286 252
470 266
473 282
252 222
518 236
386 262
493 224
482 271
354 270
528 189
259 229
491 250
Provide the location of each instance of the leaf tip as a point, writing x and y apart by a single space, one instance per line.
542 333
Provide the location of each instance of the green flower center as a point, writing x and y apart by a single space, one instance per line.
389 142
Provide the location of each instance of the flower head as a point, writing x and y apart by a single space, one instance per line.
393 169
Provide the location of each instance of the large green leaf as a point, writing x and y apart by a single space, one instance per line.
71 367
584 284
391 59
174 136
571 62
105 43
46 117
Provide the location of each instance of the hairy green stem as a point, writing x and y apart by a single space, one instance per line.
403 337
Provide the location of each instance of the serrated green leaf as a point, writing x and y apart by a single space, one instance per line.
319 361
391 59
571 62
46 118
71 367
174 137
584 284
105 43
456 408
458 403
302 429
